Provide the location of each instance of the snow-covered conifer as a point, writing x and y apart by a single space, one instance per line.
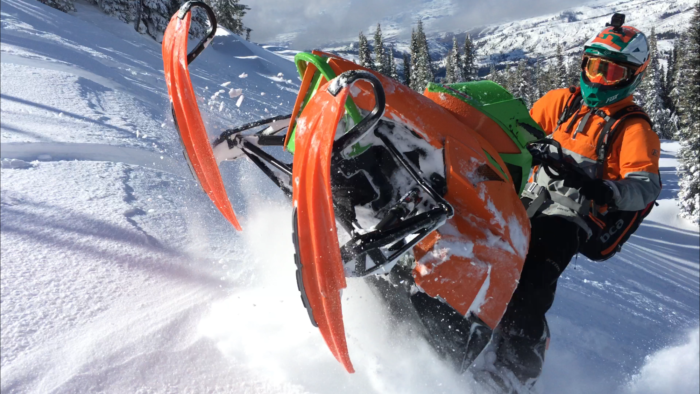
573 71
688 78
652 93
492 73
536 81
468 63
559 69
449 68
414 60
152 16
524 88
393 72
457 61
364 53
423 42
61 5
422 73
229 14
671 71
380 61
511 79
406 69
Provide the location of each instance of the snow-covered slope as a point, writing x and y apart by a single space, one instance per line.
572 28
119 276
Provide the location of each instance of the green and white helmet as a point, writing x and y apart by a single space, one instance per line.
613 65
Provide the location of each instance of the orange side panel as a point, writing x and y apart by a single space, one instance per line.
474 261
319 251
476 120
191 127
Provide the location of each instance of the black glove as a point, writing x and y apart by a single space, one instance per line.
599 191
593 189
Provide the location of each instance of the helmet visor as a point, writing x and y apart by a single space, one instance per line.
604 72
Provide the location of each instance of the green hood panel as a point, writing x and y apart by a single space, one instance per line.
510 113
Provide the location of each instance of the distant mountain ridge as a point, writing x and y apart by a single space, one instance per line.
534 37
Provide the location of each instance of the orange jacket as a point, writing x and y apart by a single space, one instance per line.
632 165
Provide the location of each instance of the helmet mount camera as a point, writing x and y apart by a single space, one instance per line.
616 22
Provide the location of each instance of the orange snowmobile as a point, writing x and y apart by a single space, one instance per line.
380 172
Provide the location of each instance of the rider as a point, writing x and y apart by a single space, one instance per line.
613 64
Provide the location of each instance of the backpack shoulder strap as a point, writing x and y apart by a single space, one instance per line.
572 106
609 132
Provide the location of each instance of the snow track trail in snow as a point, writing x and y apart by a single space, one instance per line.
120 276
44 151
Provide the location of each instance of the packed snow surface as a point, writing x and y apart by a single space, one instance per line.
119 275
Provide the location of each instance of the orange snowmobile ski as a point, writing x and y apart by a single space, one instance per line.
387 170
188 121
319 264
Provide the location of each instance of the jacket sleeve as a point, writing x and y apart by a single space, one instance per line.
547 110
639 149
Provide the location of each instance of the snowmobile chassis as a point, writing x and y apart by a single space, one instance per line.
365 152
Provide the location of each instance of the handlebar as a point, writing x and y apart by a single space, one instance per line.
555 164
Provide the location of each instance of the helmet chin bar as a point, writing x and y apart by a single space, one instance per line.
597 95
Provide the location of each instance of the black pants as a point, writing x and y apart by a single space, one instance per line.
523 328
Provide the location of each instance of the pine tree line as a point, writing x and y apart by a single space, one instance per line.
531 79
418 68
384 60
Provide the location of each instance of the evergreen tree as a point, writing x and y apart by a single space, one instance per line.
676 88
406 69
423 42
152 16
671 70
380 61
523 83
512 81
61 5
519 89
422 73
537 89
559 74
364 53
468 63
415 49
229 14
573 71
689 107
450 68
500 77
552 78
493 74
652 92
393 73
457 61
